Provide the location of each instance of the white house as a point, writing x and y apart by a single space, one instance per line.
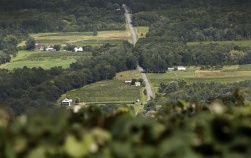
137 84
181 68
80 49
67 102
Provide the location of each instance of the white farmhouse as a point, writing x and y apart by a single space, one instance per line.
80 49
181 68
67 102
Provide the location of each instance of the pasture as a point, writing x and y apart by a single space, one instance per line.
244 43
228 74
81 38
44 59
109 91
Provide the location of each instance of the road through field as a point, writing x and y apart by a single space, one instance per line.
134 38
127 15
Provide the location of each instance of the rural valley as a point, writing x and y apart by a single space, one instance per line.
125 78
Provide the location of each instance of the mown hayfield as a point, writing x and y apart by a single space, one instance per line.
44 59
235 73
81 38
244 43
106 92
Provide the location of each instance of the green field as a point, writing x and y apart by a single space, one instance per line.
81 38
110 91
245 43
44 59
235 73
141 31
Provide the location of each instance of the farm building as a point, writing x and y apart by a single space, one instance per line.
66 102
137 84
128 82
39 46
80 49
181 68
170 69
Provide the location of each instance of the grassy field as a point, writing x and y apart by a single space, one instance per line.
110 91
235 73
141 31
239 43
44 59
81 38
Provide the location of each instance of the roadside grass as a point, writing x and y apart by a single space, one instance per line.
81 38
228 74
108 91
244 43
44 59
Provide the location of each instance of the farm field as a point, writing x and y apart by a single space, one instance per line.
81 38
245 43
235 73
44 59
109 91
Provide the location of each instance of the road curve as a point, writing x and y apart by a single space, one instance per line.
134 38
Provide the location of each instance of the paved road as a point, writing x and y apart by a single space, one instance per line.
148 87
127 15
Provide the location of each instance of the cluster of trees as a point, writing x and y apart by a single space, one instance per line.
37 87
203 92
157 57
49 16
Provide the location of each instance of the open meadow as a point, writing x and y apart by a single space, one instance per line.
114 91
110 91
44 59
228 74
81 38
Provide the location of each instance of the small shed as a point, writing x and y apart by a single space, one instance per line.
170 69
128 81
66 102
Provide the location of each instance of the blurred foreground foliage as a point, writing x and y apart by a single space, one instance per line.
183 130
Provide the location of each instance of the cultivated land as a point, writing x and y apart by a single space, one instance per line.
244 43
44 59
110 91
228 74
81 38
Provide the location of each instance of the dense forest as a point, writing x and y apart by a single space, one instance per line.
174 23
